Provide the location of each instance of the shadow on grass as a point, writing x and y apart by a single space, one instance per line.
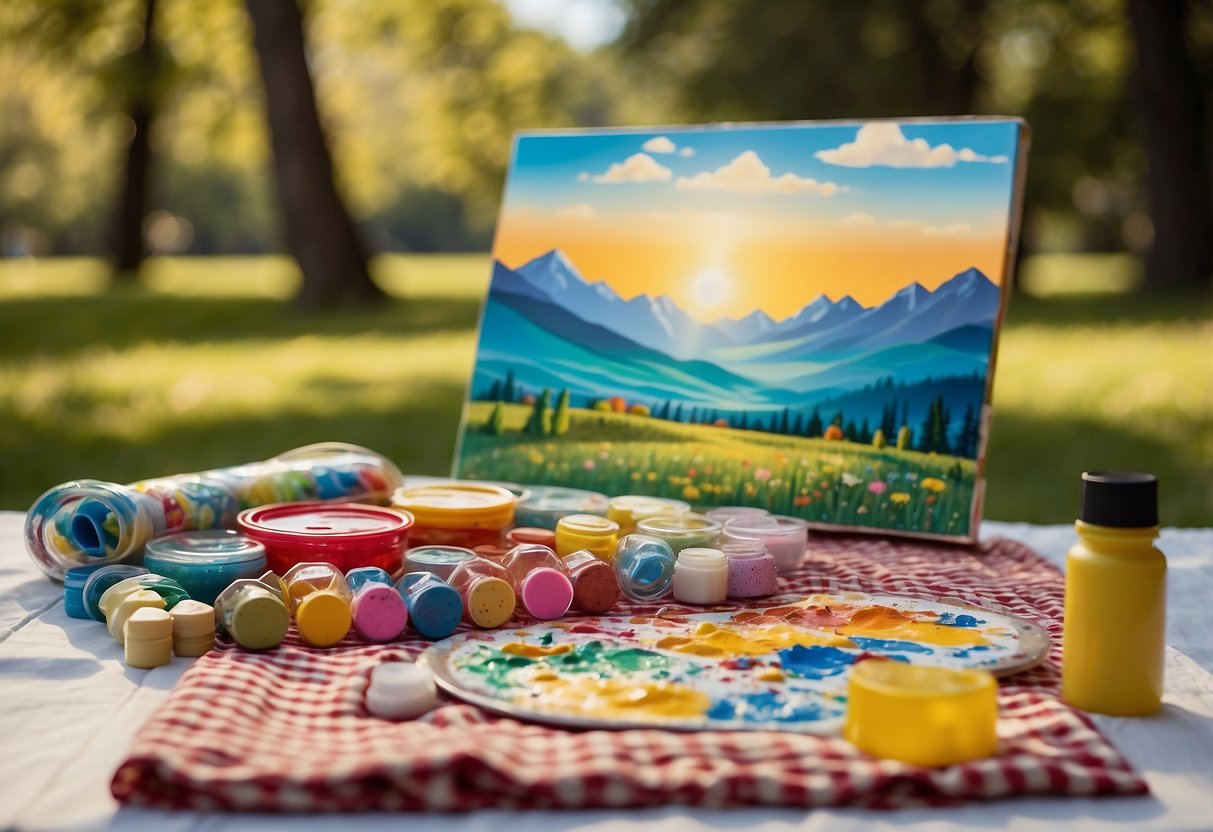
1109 309
1035 463
56 326
420 438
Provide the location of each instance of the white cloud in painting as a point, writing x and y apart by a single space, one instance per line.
686 152
858 220
639 167
659 144
882 143
747 174
580 211
584 176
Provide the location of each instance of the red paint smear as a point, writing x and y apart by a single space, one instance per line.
590 628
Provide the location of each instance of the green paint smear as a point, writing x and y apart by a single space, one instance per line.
495 667
546 638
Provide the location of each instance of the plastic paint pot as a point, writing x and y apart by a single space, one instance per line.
644 566
435 608
205 562
100 580
346 535
630 509
252 614
530 534
457 514
919 714
682 531
752 571
587 531
440 560
488 592
701 576
542 580
73 590
378 610
786 538
320 600
595 586
545 505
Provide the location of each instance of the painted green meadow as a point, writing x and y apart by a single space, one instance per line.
823 481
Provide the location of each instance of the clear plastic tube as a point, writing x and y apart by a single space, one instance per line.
92 522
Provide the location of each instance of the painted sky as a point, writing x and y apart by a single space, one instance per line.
730 219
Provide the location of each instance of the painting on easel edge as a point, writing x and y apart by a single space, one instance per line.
801 317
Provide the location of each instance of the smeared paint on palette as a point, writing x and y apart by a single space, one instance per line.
782 667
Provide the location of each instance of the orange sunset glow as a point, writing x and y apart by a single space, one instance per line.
718 265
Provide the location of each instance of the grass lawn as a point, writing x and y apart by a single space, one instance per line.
206 365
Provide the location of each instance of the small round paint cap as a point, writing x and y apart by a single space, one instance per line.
490 602
148 623
323 619
546 593
531 534
1119 499
401 690
435 607
378 612
192 619
259 622
921 714
440 560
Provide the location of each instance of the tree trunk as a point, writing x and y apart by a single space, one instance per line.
125 242
1171 105
318 229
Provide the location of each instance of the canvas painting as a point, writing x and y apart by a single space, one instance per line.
801 317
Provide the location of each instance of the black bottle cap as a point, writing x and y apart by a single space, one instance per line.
1121 499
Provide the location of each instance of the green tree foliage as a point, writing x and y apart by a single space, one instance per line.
903 437
495 425
560 419
539 423
815 428
878 440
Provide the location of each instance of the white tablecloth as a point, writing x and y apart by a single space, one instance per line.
69 708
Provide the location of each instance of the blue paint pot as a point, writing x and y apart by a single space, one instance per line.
73 590
205 562
435 607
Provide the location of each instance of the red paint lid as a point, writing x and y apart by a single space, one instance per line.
333 526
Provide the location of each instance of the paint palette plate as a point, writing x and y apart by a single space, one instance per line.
781 667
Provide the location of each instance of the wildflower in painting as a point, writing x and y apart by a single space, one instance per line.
801 500
877 487
899 498
849 479
862 510
911 476
536 458
933 484
762 474
692 471
690 492
651 476
930 500
604 454
588 465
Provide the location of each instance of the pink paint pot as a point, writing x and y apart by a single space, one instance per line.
378 610
543 581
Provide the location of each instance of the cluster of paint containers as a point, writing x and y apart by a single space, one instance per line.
441 554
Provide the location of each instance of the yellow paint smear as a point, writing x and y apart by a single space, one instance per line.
620 699
710 641
888 623
518 648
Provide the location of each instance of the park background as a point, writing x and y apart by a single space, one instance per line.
231 228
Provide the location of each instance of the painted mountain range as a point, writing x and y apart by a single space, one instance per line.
552 328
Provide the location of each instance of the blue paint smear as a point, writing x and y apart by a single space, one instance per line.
969 651
891 645
768 706
815 662
948 619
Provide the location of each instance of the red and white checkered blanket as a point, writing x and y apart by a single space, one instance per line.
287 730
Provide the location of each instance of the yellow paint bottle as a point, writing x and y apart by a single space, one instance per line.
1115 619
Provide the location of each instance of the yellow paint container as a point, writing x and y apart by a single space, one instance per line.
926 716
630 509
587 531
457 514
